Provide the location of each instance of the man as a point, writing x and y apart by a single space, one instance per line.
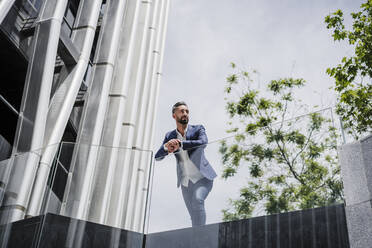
194 173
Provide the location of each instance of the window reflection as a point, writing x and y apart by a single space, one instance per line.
36 3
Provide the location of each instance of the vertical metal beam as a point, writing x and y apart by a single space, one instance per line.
126 121
139 134
125 79
34 108
87 181
145 135
5 6
121 111
118 94
89 136
64 98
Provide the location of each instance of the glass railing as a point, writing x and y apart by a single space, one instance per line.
17 177
279 166
125 188
99 184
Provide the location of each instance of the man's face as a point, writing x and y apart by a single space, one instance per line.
181 115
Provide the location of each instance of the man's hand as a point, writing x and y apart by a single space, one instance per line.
173 145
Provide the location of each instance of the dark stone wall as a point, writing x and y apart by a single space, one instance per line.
22 233
312 228
54 231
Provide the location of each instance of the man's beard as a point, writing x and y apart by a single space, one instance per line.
183 121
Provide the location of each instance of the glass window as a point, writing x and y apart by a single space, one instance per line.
36 3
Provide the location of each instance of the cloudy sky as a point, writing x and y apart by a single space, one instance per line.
286 38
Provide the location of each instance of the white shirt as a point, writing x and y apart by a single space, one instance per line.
188 169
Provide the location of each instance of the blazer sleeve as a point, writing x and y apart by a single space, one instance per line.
161 153
201 141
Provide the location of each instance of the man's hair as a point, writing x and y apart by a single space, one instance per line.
177 104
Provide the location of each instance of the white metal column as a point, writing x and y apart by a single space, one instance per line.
64 98
96 106
145 134
83 181
5 6
132 96
34 109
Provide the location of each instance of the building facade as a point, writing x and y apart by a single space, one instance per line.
78 96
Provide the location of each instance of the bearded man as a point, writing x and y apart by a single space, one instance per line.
194 173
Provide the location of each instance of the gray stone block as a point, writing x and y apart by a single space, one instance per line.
366 145
356 170
359 223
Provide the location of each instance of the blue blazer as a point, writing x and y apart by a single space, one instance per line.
196 141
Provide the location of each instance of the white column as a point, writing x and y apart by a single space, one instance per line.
5 6
132 164
31 126
124 121
134 94
145 136
96 108
137 156
63 101
79 198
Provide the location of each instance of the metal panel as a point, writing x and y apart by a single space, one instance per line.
118 108
117 98
63 100
5 6
33 112
145 135
93 116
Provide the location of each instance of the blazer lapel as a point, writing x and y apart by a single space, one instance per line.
188 132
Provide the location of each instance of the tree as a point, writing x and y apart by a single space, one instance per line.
353 75
292 164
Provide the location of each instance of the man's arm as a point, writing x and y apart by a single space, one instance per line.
168 146
161 153
202 140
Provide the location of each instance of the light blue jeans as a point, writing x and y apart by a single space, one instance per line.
194 196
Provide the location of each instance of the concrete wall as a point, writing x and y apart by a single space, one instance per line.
356 170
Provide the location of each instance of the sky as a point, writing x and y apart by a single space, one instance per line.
286 38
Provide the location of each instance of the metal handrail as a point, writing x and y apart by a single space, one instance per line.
10 106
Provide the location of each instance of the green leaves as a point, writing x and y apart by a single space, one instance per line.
296 137
336 21
258 151
255 170
251 129
264 104
228 172
277 179
354 97
291 164
244 207
278 86
232 79
316 121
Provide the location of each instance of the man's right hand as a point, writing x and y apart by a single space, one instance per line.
173 145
